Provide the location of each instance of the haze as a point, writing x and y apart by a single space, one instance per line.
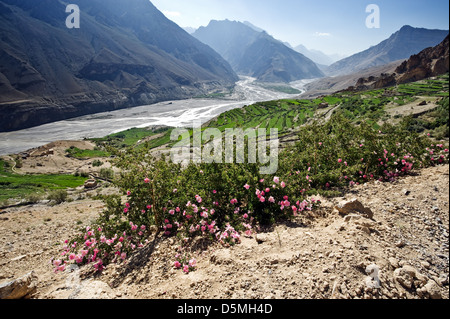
334 27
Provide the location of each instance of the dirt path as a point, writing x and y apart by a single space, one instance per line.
320 256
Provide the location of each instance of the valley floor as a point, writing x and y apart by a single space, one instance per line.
320 256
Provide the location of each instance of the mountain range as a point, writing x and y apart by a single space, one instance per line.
318 56
127 53
124 54
430 62
400 45
255 53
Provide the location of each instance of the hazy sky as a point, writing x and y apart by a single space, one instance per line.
332 26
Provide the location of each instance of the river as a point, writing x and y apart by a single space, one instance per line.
180 113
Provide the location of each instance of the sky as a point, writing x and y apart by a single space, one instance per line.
331 26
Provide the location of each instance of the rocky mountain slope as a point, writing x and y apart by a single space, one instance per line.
401 45
430 62
124 54
256 54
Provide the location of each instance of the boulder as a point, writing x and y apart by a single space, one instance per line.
23 287
352 207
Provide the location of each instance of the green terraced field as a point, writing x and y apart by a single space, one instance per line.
289 114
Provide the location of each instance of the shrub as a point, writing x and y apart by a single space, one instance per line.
33 198
58 196
106 173
97 163
221 201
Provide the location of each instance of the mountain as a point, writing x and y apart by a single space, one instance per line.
317 56
255 53
124 54
401 45
189 30
430 62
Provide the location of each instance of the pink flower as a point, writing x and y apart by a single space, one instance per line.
186 269
246 186
271 199
60 268
283 184
147 180
276 180
177 264
262 199
128 193
125 210
340 160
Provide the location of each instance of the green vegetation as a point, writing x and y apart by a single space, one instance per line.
434 122
82 154
216 201
58 196
132 136
431 87
281 88
24 186
290 114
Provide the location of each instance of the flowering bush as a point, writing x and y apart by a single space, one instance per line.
184 261
221 201
340 154
229 236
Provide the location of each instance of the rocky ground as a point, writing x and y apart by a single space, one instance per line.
401 253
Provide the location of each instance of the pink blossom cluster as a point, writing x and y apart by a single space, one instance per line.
184 262
228 237
96 251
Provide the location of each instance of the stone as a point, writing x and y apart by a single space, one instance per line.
23 287
394 262
354 206
400 244
404 277
261 238
433 290
93 289
373 280
19 258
